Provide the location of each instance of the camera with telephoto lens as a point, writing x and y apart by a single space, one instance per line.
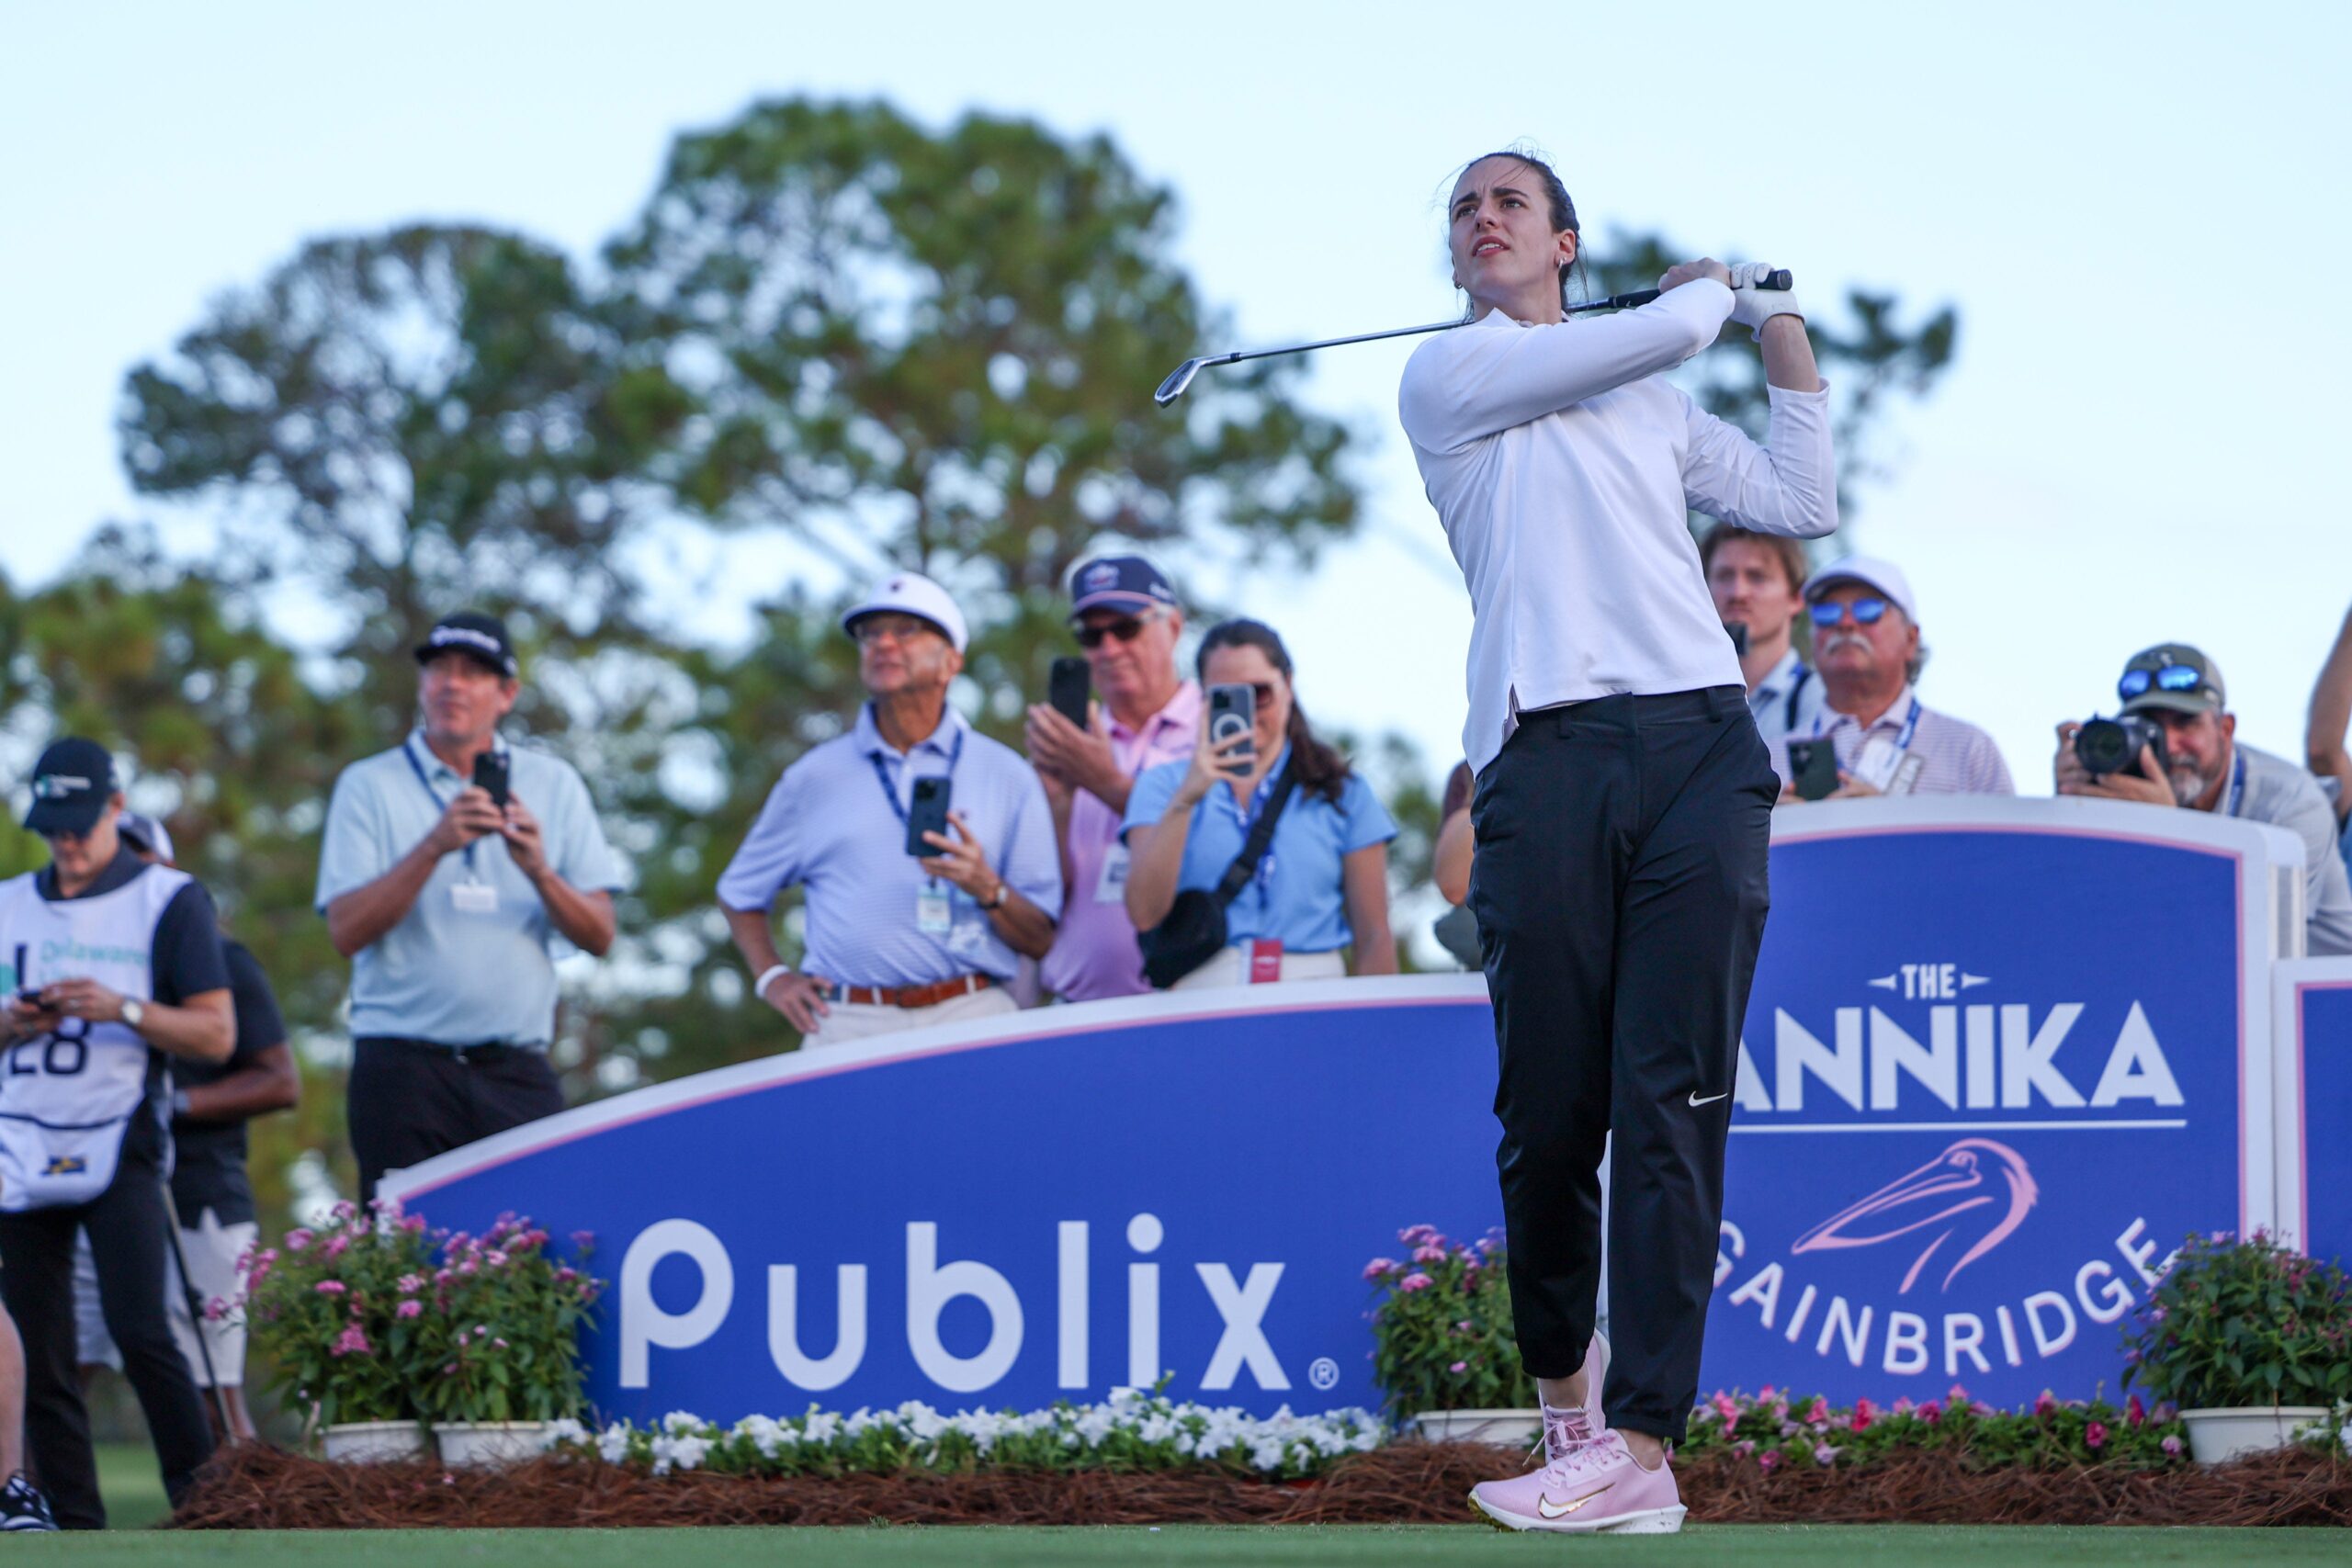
2114 745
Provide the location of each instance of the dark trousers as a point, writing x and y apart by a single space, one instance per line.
411 1099
1620 886
127 1224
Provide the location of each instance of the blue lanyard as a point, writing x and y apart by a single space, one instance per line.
1902 738
426 783
2237 785
882 774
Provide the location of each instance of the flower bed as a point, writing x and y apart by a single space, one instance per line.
1773 1432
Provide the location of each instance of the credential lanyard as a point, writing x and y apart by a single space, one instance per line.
2237 784
426 783
1909 733
882 776
1257 798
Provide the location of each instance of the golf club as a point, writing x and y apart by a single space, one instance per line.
219 1400
1181 377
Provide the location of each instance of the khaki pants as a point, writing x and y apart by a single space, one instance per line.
1230 966
863 1021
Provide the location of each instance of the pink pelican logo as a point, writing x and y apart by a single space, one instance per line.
1976 1186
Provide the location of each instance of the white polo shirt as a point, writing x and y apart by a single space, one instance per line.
1564 468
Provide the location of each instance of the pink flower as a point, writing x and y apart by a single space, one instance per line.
1463 1326
2094 1435
1429 1255
584 1240
296 1240
1958 1397
338 1245
1743 1448
2171 1444
215 1310
1379 1267
1458 1366
2136 1412
1416 1280
1931 1412
410 1283
352 1343
1865 1412
1818 1410
408 1309
329 1287
1726 1407
499 1344
1902 1405
2046 1404
1824 1455
496 1259
1769 1460
1415 1235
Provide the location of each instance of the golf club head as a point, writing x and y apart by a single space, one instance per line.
1178 380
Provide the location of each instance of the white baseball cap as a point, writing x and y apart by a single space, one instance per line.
1871 573
913 594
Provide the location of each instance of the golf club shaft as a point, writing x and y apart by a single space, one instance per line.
219 1400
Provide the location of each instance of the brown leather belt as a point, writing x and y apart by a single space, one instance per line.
910 996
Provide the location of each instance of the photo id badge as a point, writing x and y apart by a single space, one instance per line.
1265 960
474 897
1876 765
933 916
1112 887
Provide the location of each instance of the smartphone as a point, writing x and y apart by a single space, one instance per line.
1069 688
1233 710
28 995
1813 768
928 814
490 776
1737 632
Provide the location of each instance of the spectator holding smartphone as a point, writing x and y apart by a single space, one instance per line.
1866 643
1125 616
449 902
896 940
1322 883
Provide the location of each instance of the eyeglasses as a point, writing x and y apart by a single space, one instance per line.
1867 612
871 629
1126 629
2171 678
1265 691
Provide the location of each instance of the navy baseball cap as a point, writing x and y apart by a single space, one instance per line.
72 783
480 637
1118 582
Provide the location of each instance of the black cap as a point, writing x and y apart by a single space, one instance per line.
480 637
72 783
1118 582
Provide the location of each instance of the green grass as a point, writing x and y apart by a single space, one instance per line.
130 1485
1183 1546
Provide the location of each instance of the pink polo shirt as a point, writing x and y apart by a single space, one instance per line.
1094 954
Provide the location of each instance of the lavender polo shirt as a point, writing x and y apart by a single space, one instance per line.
1094 954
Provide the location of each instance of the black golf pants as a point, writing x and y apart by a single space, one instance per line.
1621 887
127 1224
410 1099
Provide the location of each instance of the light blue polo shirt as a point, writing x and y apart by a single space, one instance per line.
1298 897
458 969
835 825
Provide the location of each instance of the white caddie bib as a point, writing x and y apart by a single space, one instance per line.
67 1097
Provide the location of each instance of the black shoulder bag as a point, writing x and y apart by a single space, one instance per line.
1194 929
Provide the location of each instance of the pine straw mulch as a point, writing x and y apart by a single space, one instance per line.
257 1487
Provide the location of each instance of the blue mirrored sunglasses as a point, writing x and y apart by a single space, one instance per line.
2171 678
1866 613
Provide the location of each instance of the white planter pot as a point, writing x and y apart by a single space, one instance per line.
372 1442
2218 1435
490 1442
1507 1428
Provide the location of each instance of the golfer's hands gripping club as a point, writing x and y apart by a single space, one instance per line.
1754 301
1682 272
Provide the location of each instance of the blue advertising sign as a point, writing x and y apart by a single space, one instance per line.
2315 1167
2001 1058
1040 1206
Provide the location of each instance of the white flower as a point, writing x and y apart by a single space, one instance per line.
612 1444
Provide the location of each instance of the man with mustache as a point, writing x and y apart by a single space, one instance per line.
1866 645
2205 768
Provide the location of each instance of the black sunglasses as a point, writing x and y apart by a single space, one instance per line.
1126 629
2171 678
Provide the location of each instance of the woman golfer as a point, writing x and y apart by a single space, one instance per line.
1624 801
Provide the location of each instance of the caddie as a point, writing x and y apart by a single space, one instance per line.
110 964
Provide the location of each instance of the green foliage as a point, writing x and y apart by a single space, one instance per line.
1776 1431
499 1335
2236 1322
328 1314
1442 1329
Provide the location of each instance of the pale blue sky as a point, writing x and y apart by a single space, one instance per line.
2140 210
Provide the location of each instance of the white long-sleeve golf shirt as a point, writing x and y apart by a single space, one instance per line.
1563 469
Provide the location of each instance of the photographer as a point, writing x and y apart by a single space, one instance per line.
1322 882
2176 745
1885 741
449 900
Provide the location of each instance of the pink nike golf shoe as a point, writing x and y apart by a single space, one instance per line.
1595 1487
1565 1429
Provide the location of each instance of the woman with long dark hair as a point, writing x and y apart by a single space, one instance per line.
1321 886
1624 801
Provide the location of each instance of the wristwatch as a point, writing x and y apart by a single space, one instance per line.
993 905
132 1011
